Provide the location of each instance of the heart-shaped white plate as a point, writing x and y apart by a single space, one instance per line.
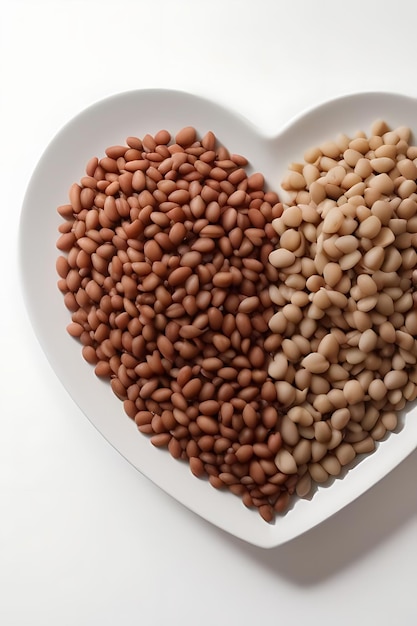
137 113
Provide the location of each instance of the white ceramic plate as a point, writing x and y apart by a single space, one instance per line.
136 113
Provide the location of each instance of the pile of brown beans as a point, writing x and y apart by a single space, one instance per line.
345 300
165 271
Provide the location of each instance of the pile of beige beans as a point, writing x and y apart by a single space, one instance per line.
346 304
266 345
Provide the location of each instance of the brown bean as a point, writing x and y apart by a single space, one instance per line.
256 472
197 467
223 279
207 424
186 136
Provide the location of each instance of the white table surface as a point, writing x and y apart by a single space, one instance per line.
85 539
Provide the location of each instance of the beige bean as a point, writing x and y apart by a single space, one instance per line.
363 168
318 473
353 391
382 164
322 432
374 258
406 188
310 173
289 431
345 453
296 180
365 446
407 168
359 143
340 418
278 366
348 261
292 217
300 415
332 273
331 465
335 439
315 363
366 285
346 244
291 240
285 392
370 227
395 379
312 154
382 183
389 420
302 452
282 258
329 347
379 431
368 340
333 221
285 462
352 156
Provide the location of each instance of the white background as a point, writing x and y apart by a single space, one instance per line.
84 538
